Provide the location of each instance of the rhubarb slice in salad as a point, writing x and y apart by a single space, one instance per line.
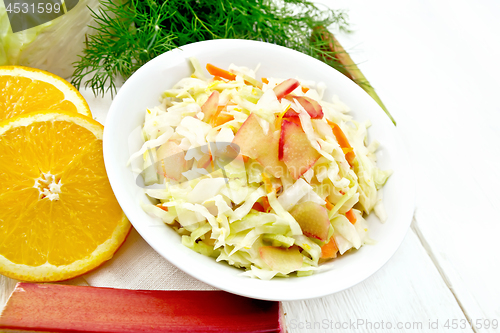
267 177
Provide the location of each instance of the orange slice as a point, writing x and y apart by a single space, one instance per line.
59 217
24 89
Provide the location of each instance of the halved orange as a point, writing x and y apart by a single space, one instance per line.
24 89
59 217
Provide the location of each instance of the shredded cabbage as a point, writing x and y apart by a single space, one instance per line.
226 205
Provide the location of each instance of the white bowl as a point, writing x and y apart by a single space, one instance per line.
142 90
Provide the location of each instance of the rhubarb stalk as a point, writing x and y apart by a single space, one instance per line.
64 308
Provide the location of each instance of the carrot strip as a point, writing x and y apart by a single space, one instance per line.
351 216
305 89
268 183
347 150
350 158
264 80
329 205
279 118
222 119
266 205
162 207
216 71
343 142
330 249
218 78
215 115
341 138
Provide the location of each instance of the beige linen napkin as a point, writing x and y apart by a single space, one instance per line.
135 265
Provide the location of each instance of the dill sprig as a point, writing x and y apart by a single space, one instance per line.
127 35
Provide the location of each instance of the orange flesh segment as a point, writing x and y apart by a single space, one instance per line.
41 95
24 90
58 214
77 160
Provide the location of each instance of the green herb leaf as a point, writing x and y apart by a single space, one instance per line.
130 34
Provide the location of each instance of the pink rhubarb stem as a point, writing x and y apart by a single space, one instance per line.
63 308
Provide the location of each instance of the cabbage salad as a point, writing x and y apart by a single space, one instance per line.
260 173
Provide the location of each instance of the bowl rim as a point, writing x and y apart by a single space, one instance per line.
252 289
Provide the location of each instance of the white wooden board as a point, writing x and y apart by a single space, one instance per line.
406 295
435 65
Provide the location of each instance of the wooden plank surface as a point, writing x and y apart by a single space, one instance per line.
406 295
435 65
